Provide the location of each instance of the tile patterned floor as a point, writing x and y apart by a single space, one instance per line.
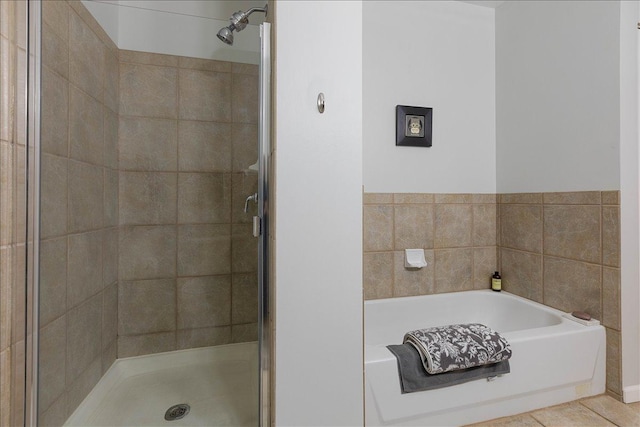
593 411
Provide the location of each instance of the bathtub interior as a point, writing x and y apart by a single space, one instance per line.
512 313
220 385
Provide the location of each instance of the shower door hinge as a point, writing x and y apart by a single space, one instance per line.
639 25
257 226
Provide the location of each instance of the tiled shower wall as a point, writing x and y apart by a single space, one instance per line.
12 215
560 249
79 199
188 261
563 250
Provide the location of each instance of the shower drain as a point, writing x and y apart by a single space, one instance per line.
177 412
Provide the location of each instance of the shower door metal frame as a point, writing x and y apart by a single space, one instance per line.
264 156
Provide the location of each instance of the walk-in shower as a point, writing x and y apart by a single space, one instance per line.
239 20
153 275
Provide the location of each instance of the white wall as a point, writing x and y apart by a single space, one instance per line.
184 28
429 54
318 242
558 105
629 212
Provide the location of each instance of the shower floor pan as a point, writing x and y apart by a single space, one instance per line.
220 384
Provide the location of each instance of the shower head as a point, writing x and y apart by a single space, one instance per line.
226 35
238 21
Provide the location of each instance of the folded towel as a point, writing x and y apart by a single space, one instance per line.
447 348
414 378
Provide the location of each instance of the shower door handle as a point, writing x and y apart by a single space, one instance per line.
254 198
257 226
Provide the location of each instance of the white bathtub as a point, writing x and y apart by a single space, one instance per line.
554 359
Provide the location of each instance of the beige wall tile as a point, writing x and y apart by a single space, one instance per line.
148 58
611 297
244 139
86 197
111 80
86 58
452 198
454 270
109 355
571 413
110 197
84 272
205 64
207 147
53 279
7 186
411 198
18 295
521 227
203 337
56 414
204 250
521 198
109 316
51 362
110 138
485 263
611 236
378 198
110 256
148 91
244 249
205 95
413 226
378 275
80 388
453 226
378 228
95 27
146 306
614 382
85 128
484 198
55 51
17 383
522 274
244 98
148 198
137 345
6 289
611 197
84 326
204 198
204 302
53 195
147 252
56 15
239 68
572 198
572 285
147 144
54 113
484 225
408 282
243 185
5 383
572 232
244 333
244 298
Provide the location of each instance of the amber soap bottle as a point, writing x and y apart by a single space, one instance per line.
496 282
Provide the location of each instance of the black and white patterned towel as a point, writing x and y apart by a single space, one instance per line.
447 348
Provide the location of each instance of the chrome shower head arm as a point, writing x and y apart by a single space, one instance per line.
239 20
